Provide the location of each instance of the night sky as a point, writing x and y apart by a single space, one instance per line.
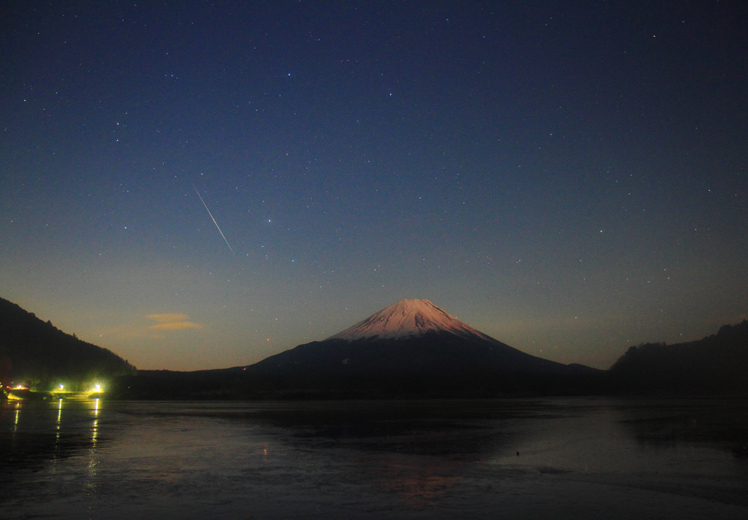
570 178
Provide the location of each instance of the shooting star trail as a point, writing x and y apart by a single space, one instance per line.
214 220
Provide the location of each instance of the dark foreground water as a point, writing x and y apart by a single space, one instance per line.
549 458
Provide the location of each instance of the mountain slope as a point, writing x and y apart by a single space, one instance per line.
715 364
411 337
37 352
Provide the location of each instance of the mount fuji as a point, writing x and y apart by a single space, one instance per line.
405 319
410 338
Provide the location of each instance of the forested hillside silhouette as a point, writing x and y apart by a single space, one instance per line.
716 364
37 353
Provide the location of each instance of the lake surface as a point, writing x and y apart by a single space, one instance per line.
519 458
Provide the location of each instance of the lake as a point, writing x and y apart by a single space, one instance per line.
514 458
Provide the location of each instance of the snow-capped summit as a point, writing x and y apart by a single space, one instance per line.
407 318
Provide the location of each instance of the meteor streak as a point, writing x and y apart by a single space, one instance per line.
214 220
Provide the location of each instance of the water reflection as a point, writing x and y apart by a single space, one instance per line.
93 461
95 427
59 423
391 456
419 481
45 431
722 424
455 429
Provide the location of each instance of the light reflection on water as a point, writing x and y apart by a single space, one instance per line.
411 459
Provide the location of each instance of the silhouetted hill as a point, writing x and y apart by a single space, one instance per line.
36 352
716 364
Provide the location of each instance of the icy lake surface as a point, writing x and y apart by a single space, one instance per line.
519 458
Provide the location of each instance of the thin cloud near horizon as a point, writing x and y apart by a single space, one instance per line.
172 321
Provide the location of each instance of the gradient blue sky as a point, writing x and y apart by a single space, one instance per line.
567 177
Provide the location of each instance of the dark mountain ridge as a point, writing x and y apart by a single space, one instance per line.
37 353
716 364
